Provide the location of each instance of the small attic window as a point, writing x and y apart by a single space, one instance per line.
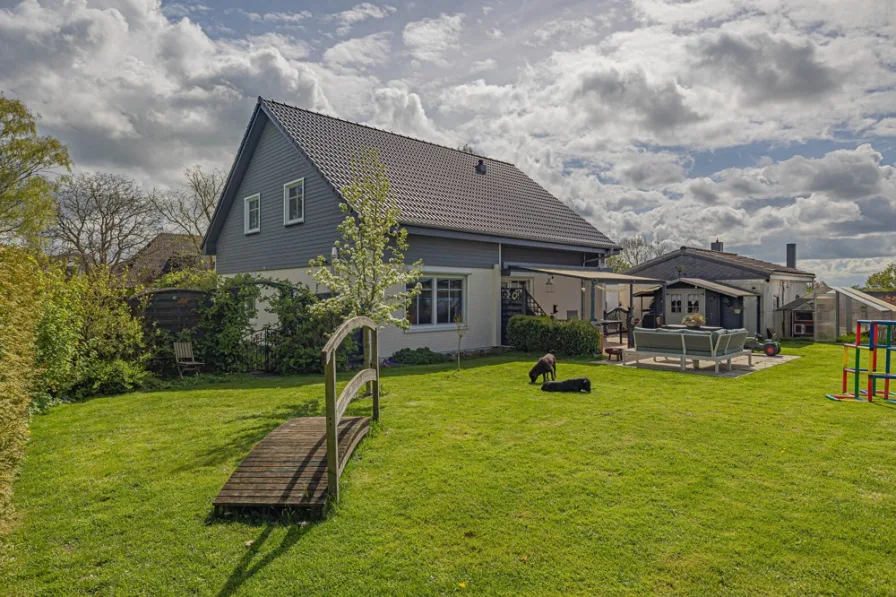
481 168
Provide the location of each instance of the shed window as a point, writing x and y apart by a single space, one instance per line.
675 303
693 303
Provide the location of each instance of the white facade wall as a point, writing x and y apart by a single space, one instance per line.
482 308
482 296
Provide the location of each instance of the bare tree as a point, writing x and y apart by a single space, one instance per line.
103 218
189 209
635 251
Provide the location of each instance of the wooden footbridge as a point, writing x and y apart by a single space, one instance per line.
298 464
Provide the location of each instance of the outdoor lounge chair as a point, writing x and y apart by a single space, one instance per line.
183 356
694 345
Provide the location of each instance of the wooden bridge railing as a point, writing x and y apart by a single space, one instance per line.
369 376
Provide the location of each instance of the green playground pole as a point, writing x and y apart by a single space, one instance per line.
887 361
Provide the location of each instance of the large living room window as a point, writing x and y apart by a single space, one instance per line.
439 302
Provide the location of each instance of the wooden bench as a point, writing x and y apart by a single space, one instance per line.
183 356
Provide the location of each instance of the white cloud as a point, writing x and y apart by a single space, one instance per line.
401 111
495 33
360 52
178 9
132 92
481 66
284 18
360 12
562 31
429 40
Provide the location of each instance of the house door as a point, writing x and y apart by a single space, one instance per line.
732 313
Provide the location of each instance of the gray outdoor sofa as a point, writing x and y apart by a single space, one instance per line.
694 345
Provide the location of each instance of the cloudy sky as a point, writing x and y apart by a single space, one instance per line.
759 122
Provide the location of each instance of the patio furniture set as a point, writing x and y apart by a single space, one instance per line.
715 345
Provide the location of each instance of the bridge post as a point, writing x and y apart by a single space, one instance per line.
332 429
375 365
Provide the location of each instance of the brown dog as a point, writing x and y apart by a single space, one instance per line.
546 365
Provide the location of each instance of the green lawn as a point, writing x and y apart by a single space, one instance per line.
656 483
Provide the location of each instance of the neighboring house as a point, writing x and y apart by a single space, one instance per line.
165 253
728 289
475 222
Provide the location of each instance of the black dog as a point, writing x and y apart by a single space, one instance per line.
579 384
546 366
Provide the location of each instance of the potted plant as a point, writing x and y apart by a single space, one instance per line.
693 321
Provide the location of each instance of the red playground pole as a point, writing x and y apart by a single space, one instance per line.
872 366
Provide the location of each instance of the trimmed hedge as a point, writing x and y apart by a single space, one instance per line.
20 293
543 334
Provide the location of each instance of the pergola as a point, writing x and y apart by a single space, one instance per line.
596 277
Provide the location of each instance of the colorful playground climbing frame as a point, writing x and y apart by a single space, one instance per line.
880 347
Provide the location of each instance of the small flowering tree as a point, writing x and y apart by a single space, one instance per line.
367 274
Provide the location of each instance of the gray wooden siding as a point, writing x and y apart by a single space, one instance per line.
275 162
545 256
695 267
449 252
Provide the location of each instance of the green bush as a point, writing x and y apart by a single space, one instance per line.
224 323
420 356
302 333
88 341
543 334
106 378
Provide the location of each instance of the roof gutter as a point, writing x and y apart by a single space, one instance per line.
507 240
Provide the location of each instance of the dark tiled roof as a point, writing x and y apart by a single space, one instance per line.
716 262
152 260
437 186
748 262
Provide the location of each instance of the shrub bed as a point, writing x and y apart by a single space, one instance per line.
420 356
543 334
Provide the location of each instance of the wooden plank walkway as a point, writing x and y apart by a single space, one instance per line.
288 468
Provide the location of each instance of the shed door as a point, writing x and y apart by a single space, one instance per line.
682 302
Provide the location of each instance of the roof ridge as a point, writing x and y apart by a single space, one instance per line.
771 264
379 130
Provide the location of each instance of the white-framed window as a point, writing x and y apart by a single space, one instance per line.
439 302
252 213
675 303
294 202
693 303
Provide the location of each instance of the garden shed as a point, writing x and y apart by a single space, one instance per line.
796 319
838 309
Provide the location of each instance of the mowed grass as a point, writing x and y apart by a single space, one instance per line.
476 482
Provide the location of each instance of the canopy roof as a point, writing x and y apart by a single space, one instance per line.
866 299
587 274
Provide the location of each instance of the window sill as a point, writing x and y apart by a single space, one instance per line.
439 327
293 222
256 231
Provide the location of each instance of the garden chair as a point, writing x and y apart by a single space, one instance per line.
183 356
